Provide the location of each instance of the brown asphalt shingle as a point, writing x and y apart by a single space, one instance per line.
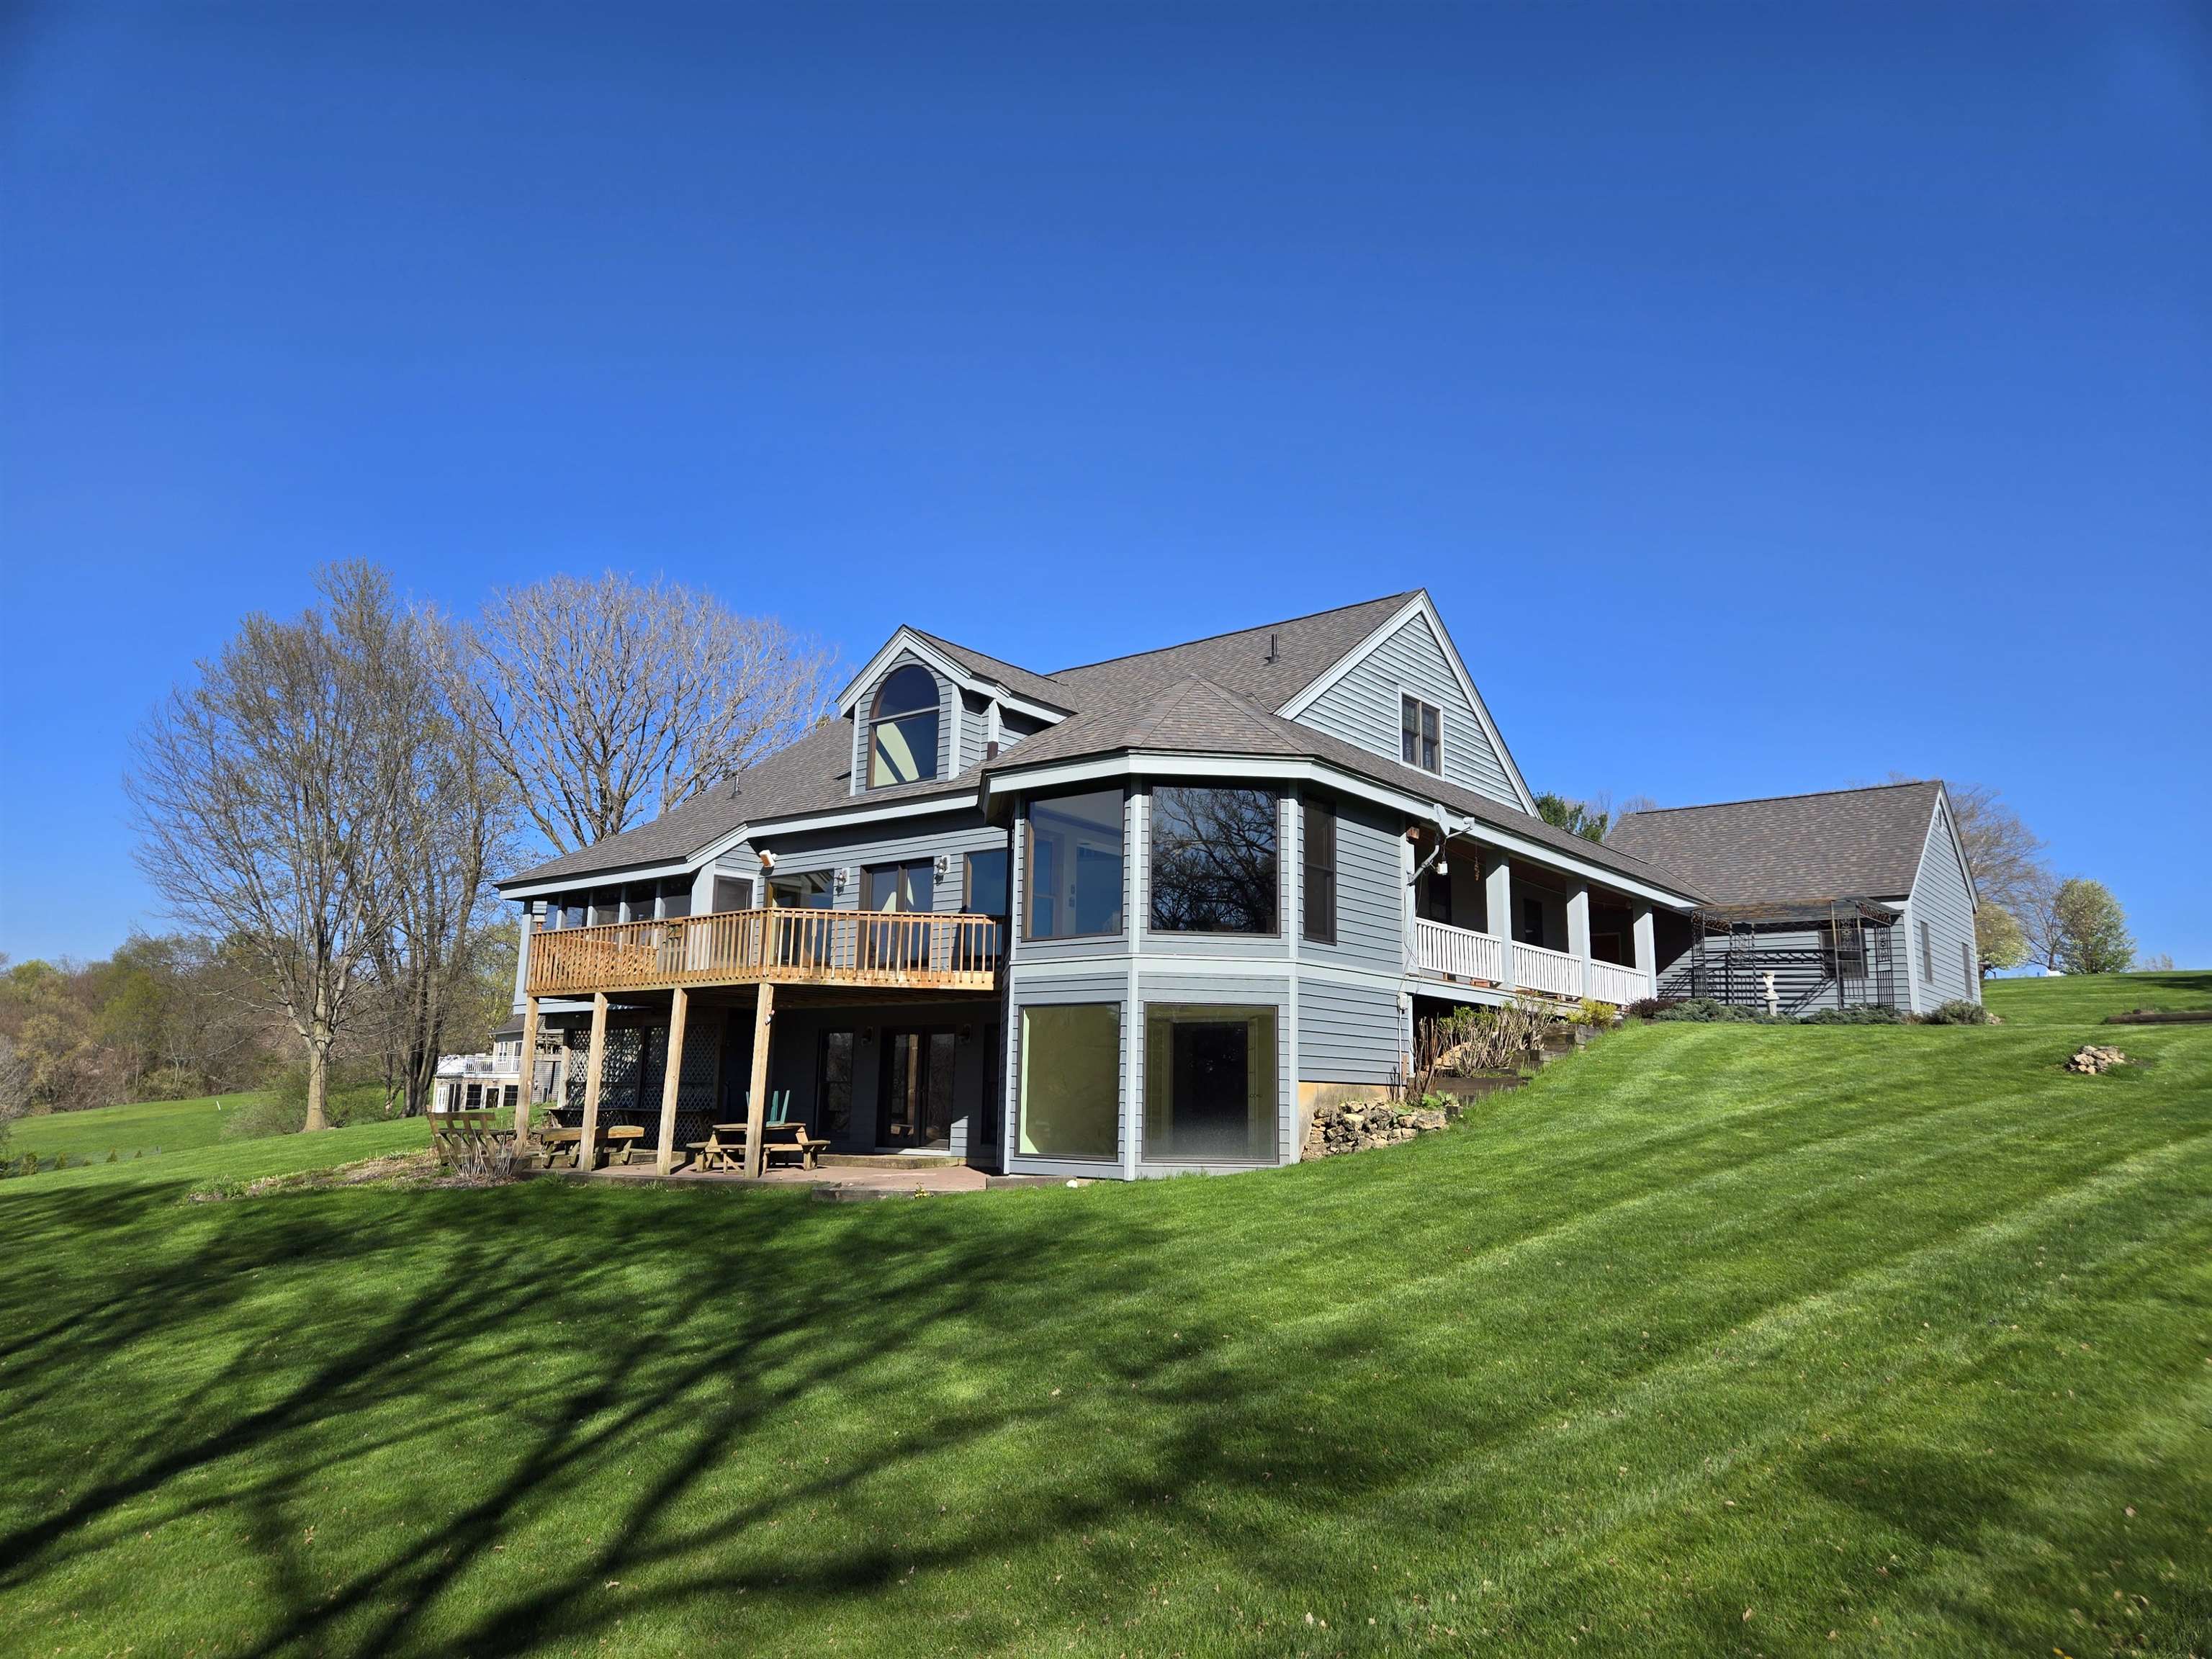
1843 843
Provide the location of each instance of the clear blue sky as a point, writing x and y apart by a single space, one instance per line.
1773 398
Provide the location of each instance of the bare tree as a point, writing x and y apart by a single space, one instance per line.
451 821
265 803
2006 855
2040 920
605 702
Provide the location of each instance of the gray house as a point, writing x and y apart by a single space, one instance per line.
1124 918
1825 901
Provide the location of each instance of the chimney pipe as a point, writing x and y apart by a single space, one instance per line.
1270 648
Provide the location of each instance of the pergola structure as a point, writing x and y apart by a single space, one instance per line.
1805 946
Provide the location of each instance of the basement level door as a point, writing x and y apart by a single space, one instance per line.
917 1090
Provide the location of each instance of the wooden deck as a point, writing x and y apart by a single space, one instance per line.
920 953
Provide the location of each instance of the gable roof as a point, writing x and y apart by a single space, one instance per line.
1213 695
1841 843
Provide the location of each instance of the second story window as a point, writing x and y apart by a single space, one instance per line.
1073 860
1213 860
1421 734
903 728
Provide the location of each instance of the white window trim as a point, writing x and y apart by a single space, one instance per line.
1413 694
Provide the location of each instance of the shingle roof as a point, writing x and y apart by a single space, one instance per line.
1194 716
1214 696
1844 843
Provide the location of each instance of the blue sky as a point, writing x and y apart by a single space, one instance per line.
1773 397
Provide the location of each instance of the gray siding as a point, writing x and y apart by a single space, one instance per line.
953 835
1942 899
1371 917
1347 1033
1363 708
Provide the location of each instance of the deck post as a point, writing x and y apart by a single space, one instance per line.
757 1097
1498 911
529 1072
1579 934
588 1149
672 1077
1646 950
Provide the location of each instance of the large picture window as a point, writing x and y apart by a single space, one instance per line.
1210 1084
1214 864
1074 877
986 887
903 728
1071 1083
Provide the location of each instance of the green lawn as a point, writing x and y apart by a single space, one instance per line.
2084 999
171 1126
1714 1340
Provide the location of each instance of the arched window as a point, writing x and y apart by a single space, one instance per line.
903 728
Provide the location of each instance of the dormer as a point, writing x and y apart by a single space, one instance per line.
920 715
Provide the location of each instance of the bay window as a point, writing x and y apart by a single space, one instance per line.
1072 874
1214 865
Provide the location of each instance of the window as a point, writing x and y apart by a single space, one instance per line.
1320 840
1071 1086
1421 734
1213 860
902 887
1927 956
833 1088
1073 880
804 889
903 728
986 887
731 893
1210 1083
1532 922
1967 966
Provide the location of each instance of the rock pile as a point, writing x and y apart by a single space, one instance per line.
1358 1125
2094 1059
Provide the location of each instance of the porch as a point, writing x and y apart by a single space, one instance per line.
1463 956
887 950
1476 917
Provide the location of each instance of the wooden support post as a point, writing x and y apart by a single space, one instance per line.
1497 909
1579 934
588 1148
757 1097
529 1072
672 1079
1647 952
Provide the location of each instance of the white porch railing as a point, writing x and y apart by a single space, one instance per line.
1457 952
1547 973
1611 982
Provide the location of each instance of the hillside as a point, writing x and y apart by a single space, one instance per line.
1715 1339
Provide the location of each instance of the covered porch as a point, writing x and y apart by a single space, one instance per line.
1481 919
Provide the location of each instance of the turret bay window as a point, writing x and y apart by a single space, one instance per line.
1073 866
903 728
1214 866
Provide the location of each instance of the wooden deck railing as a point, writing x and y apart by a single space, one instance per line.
791 947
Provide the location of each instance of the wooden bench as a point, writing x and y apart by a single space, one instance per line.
723 1148
626 1136
791 1140
559 1142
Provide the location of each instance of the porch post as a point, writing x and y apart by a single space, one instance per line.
672 1077
757 1097
1578 933
1647 948
529 1070
1497 909
588 1149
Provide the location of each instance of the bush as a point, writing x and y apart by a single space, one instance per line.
1650 1007
169 1082
354 1098
1960 1012
1863 1013
1598 1016
1703 1011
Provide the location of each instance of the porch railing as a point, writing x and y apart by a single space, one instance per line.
1457 952
1547 973
790 946
1611 982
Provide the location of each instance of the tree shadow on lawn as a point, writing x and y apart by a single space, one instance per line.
639 1352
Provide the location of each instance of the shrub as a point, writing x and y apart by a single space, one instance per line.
1703 1011
1598 1016
1863 1013
169 1082
1650 1007
1959 1012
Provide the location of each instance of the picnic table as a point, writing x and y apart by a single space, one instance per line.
724 1148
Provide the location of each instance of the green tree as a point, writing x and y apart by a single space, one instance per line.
2092 929
1998 938
1576 817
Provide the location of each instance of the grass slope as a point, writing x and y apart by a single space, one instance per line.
170 1126
1714 1340
2085 999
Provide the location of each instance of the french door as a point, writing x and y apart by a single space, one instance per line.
916 1108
